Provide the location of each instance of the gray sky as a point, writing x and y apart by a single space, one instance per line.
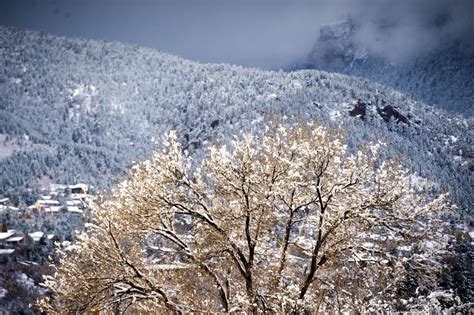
260 33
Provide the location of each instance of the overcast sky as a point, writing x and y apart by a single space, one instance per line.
261 33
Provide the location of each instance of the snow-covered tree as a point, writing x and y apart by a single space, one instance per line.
292 220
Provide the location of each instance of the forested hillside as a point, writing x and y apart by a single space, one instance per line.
80 110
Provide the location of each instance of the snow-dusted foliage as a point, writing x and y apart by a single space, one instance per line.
289 221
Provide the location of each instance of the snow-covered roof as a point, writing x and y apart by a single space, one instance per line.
4 208
5 235
6 251
74 209
4 200
48 202
73 202
15 238
52 209
56 188
36 236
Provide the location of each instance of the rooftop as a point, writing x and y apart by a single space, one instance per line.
36 236
15 238
5 235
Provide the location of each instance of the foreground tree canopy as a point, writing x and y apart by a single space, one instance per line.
289 221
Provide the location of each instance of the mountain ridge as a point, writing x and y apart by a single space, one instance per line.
95 107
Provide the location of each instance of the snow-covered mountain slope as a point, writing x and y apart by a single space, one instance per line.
83 110
442 77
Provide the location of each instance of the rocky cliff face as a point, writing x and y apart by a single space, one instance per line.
335 48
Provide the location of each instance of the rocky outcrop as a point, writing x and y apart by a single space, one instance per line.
335 48
359 110
388 112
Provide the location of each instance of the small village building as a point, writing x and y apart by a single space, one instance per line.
5 254
78 189
5 202
74 209
52 209
5 235
42 204
15 239
57 188
74 203
36 236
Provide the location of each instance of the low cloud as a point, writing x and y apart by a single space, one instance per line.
263 33
398 30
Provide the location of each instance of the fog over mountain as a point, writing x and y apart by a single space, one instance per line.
259 33
399 30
